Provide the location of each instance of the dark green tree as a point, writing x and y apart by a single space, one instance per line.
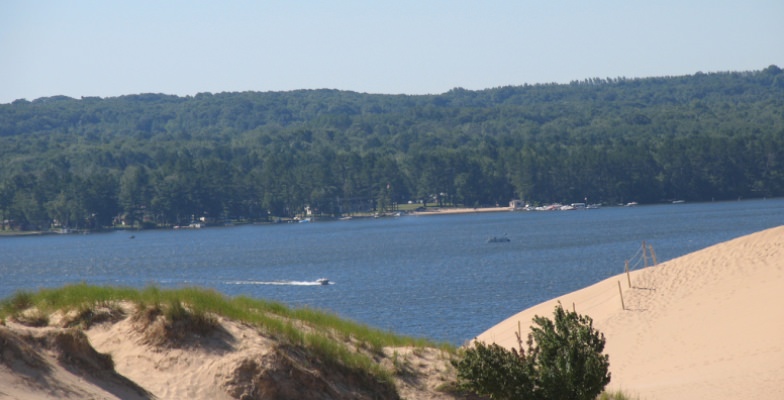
6 197
134 193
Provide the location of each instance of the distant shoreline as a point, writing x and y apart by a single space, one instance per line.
24 233
428 211
446 211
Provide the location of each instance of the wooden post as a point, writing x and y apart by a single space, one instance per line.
621 292
628 277
653 255
644 256
574 310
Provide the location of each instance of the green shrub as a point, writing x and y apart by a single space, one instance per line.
563 360
491 370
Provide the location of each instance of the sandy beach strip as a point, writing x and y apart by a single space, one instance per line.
447 210
707 325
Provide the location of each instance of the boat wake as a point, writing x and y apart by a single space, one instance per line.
279 283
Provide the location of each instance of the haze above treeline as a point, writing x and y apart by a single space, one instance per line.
166 160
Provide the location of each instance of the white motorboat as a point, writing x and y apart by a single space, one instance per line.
322 281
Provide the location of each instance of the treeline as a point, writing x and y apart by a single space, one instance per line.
90 162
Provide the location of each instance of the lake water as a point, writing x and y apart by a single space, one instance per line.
431 276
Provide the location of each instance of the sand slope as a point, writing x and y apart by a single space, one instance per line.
708 325
51 363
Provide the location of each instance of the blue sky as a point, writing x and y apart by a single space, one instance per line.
110 48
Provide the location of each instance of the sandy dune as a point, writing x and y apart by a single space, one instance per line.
708 325
115 360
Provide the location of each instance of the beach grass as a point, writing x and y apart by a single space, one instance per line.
323 333
616 395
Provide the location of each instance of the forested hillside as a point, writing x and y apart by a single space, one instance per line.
88 162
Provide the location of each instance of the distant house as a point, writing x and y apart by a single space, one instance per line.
516 204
